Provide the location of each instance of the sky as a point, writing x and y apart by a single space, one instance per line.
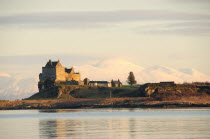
174 33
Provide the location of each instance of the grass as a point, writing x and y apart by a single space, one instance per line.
129 86
103 92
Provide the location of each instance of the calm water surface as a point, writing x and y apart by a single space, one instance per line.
105 124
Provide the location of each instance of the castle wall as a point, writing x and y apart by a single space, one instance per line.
60 74
48 73
76 77
70 77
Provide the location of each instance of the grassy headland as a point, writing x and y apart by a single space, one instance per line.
146 96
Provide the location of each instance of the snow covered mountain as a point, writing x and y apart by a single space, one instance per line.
108 69
16 88
119 69
162 73
13 88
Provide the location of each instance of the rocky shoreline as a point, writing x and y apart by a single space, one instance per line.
99 103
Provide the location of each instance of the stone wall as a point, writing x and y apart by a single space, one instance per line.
76 77
60 74
48 73
70 77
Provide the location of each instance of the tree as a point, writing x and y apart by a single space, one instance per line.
131 78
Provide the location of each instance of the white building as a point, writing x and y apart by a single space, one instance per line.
100 83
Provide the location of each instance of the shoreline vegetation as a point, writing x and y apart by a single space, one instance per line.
150 95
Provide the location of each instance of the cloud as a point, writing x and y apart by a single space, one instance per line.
179 31
191 1
35 59
190 24
181 28
4 74
97 17
172 22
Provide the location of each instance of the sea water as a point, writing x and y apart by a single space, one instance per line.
105 124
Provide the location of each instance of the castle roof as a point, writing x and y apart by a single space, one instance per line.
53 64
68 70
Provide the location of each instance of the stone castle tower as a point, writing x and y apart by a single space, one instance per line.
55 72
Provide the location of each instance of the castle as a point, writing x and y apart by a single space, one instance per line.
54 72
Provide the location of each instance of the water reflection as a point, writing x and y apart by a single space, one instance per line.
59 110
48 128
105 128
106 124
